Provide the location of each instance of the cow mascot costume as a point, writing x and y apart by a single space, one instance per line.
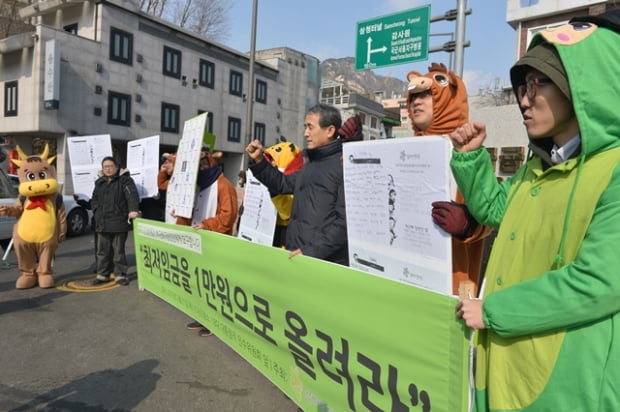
41 223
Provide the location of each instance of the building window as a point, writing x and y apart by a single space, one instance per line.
209 125
259 132
373 122
119 108
170 117
121 46
236 83
172 62
10 99
71 28
261 91
234 129
207 74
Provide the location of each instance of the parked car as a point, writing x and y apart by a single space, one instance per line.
7 197
78 218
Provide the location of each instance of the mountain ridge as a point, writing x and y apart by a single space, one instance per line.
364 82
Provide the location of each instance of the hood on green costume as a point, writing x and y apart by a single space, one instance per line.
581 58
589 55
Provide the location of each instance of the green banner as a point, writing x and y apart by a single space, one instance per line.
330 337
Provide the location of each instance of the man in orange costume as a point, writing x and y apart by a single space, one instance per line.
437 105
215 207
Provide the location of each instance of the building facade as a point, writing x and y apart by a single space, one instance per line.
399 105
528 17
93 67
299 79
377 121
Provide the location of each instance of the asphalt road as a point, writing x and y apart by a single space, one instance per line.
116 349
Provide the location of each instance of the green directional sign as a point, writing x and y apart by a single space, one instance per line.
393 39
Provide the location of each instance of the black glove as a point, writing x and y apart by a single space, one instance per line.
351 129
84 203
454 218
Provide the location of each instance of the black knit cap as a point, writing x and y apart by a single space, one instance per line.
545 59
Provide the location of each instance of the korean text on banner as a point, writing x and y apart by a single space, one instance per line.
330 337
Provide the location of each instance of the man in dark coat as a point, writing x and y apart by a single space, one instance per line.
114 202
317 225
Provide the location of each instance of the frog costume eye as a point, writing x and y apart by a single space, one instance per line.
570 33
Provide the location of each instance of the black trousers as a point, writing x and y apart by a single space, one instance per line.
111 253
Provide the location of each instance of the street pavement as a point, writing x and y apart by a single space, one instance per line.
114 349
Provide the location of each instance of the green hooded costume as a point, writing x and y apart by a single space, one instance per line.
552 295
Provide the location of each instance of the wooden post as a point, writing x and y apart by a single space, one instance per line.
467 289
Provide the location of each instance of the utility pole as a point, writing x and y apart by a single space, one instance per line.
456 46
250 94
459 50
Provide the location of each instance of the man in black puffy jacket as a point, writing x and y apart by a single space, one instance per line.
114 202
318 225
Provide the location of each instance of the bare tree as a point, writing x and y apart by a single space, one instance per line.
10 22
153 7
209 18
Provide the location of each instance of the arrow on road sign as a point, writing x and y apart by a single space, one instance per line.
371 50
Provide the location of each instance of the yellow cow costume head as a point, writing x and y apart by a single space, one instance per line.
37 176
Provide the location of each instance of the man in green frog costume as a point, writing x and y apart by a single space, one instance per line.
549 319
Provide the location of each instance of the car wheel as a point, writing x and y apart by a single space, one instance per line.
77 221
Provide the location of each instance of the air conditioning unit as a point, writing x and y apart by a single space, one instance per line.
139 78
139 58
98 89
138 118
138 98
97 111
98 67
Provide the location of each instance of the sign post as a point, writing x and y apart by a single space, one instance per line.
393 39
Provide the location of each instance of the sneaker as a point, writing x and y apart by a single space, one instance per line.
194 326
205 333
99 280
123 281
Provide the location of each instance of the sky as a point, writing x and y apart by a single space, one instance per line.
327 29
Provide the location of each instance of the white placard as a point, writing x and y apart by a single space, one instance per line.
85 156
143 164
258 220
182 187
389 187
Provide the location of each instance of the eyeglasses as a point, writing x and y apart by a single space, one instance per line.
530 88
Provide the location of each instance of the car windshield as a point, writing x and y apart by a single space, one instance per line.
7 190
